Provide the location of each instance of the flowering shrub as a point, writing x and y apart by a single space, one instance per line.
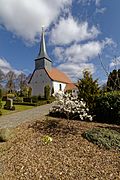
70 107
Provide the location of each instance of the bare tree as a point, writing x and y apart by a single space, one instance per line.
10 85
22 82
2 77
113 82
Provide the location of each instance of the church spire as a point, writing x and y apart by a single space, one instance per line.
43 61
43 52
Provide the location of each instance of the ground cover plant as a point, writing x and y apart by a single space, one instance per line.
103 137
31 154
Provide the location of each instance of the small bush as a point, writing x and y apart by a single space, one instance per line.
107 108
0 103
47 92
25 103
10 95
4 98
12 108
70 107
103 137
39 97
18 99
0 113
34 99
27 99
0 93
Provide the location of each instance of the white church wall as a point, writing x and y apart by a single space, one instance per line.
58 86
39 80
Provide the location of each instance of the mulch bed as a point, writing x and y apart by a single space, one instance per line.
68 157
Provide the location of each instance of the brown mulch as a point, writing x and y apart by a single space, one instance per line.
68 157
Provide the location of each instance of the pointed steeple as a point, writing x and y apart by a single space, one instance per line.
43 52
43 61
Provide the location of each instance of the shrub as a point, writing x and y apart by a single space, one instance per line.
10 95
39 97
0 103
70 107
28 99
47 92
0 113
4 98
103 137
88 89
18 99
0 93
34 99
0 107
107 108
25 103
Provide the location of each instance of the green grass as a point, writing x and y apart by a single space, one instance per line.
18 108
103 137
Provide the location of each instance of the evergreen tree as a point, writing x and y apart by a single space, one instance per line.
47 92
113 82
88 89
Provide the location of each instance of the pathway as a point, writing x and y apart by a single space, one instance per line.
15 119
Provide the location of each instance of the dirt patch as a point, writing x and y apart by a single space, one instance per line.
68 156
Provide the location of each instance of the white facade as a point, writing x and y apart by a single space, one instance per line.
58 86
40 79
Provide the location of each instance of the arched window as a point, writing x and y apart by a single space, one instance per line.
60 87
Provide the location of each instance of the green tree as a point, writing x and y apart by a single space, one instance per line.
113 82
88 89
47 92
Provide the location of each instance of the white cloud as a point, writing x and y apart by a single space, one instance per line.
79 53
115 62
25 17
88 2
74 59
97 2
69 30
6 67
100 10
74 71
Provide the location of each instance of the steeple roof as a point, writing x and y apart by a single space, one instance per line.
43 51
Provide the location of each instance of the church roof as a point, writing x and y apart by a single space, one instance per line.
57 75
43 51
70 86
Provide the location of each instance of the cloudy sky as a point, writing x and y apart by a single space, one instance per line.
77 31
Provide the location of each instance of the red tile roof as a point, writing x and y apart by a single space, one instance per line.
70 86
59 76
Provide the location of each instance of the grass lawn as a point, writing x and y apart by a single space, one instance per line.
30 155
17 109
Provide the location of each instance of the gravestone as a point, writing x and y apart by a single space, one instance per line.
9 104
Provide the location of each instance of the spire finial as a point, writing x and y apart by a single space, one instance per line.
43 52
43 28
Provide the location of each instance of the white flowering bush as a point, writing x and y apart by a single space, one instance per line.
68 106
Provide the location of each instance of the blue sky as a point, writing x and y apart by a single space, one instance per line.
76 32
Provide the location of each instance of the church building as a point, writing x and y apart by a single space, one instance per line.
45 74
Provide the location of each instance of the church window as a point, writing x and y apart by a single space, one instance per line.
60 87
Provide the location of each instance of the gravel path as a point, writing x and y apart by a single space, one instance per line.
15 119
